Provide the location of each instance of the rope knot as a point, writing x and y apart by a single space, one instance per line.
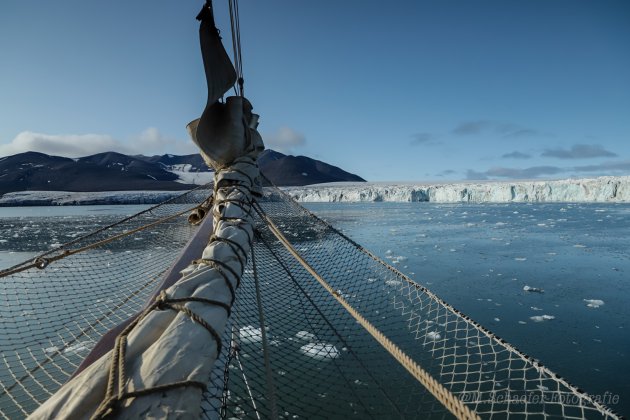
41 262
161 300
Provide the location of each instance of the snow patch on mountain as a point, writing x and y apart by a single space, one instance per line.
189 174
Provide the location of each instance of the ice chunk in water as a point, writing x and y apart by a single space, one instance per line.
541 318
305 335
593 303
433 335
320 351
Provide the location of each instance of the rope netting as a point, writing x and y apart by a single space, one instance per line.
52 317
291 349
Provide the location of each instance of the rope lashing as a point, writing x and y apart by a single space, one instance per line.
117 368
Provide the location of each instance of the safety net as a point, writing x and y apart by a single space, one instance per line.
321 327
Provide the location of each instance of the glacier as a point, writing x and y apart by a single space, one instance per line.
602 189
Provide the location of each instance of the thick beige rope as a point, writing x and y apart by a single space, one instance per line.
450 401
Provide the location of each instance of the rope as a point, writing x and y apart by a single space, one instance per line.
42 262
509 347
117 368
309 298
271 394
450 401
235 25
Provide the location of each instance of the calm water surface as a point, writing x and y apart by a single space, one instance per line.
480 258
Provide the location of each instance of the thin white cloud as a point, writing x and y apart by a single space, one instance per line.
68 145
152 142
284 140
149 142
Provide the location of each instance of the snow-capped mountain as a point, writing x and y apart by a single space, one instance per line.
113 171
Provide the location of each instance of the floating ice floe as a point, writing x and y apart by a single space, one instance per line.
532 289
520 259
320 351
393 282
305 335
250 335
593 303
79 347
433 335
541 318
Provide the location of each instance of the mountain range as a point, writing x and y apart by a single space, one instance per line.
111 171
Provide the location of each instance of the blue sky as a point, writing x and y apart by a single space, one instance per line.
402 90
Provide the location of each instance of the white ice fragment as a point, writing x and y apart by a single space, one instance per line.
593 303
541 318
520 259
532 289
250 334
393 282
320 351
79 347
52 349
497 319
305 335
433 335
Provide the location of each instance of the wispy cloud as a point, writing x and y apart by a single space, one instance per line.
68 145
579 151
502 129
516 155
421 138
515 173
284 140
609 167
149 142
472 127
446 172
621 167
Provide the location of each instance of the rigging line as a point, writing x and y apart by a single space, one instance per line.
41 262
249 389
271 392
305 294
17 268
235 26
495 338
82 333
441 393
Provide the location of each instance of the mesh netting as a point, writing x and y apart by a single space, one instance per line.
52 317
290 349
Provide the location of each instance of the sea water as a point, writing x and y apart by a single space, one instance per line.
551 279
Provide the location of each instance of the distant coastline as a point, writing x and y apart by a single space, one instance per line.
602 189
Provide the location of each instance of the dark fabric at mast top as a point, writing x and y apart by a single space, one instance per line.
220 73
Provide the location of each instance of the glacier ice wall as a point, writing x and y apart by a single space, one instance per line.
603 189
